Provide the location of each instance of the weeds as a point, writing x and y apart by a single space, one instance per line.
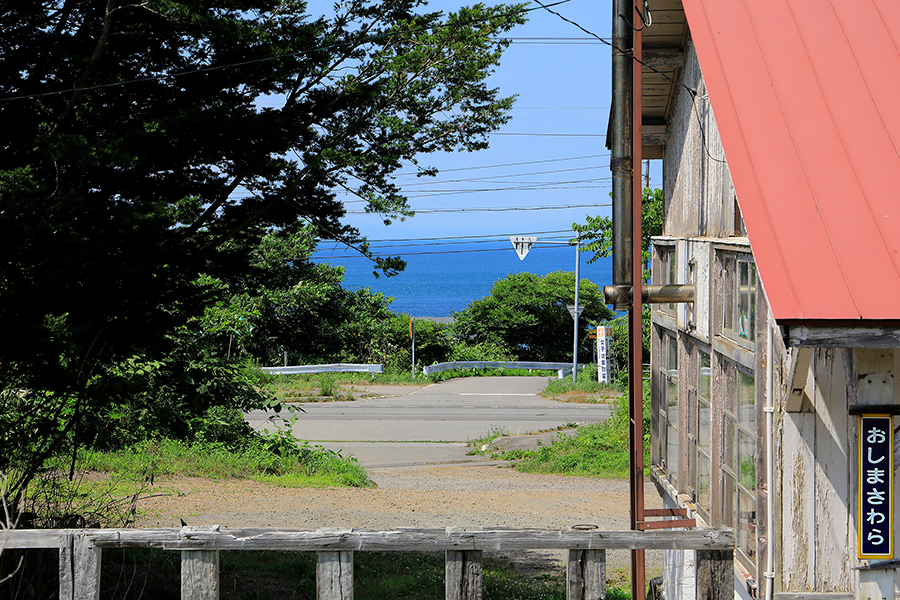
482 444
597 449
271 458
586 382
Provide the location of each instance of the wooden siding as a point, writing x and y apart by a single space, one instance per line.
699 194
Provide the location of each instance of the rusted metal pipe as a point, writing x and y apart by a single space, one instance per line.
650 294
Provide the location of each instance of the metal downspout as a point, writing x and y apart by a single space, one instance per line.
620 147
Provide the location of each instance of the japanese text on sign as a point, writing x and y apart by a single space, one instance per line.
604 342
875 521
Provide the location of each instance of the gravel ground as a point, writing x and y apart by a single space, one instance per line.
470 495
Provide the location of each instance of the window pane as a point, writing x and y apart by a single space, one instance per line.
728 501
731 391
752 290
672 276
747 533
670 258
672 401
704 427
672 454
747 406
744 300
703 481
729 455
747 458
728 300
672 381
663 437
673 358
705 376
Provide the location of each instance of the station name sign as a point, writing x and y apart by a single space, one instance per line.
875 521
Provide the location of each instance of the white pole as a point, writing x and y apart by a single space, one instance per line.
412 334
577 280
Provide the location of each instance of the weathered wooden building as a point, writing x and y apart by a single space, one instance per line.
778 124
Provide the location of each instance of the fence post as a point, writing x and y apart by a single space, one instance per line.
334 575
586 575
200 574
462 573
79 567
715 574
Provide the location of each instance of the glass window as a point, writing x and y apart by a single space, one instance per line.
669 417
728 300
672 379
747 459
704 416
704 431
747 301
728 498
739 282
747 401
703 481
746 541
672 454
672 276
739 456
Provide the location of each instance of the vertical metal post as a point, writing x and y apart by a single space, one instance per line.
635 320
577 282
412 334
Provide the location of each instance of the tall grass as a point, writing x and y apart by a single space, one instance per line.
599 450
269 459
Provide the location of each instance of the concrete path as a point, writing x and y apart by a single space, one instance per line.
431 424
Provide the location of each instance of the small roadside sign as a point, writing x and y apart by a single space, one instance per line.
522 244
572 311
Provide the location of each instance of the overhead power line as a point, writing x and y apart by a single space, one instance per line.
482 209
472 237
515 164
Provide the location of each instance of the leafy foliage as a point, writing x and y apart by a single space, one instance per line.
597 231
526 314
154 153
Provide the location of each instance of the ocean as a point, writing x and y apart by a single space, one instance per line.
441 278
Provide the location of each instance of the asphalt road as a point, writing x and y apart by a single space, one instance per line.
432 423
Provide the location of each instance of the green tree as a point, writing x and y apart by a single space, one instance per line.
527 315
596 233
597 236
146 145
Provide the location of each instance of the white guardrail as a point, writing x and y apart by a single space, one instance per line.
335 368
563 369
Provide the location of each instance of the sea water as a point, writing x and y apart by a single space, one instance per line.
443 278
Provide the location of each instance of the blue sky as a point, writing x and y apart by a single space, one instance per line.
562 78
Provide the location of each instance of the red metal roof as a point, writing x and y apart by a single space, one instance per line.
806 94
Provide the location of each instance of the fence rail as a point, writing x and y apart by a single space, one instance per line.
80 552
561 368
333 368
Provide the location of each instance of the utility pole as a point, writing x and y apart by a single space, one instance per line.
647 173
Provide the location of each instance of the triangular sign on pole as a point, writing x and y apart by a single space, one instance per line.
522 244
571 308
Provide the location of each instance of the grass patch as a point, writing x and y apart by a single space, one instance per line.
486 440
272 458
598 449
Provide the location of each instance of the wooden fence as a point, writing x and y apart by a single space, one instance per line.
80 552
